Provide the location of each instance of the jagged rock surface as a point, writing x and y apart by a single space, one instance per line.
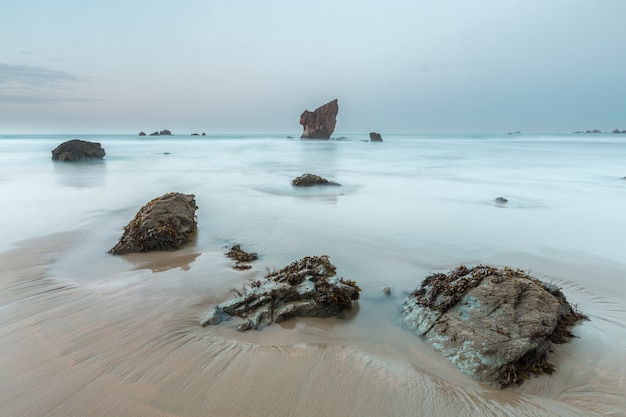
165 223
495 325
375 137
320 123
77 150
305 288
309 180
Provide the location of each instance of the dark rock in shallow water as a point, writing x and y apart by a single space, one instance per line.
306 288
165 223
320 123
375 137
500 200
309 180
241 257
142 133
77 150
495 325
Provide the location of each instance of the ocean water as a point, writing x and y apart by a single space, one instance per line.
407 207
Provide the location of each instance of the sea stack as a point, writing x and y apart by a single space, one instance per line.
375 137
320 123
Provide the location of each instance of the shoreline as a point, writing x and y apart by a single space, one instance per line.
73 347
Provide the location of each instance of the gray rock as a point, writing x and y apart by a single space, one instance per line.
320 123
77 150
495 325
375 137
309 180
500 200
305 288
165 223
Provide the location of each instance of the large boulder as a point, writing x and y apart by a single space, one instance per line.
78 150
165 223
495 325
309 180
305 288
320 123
375 137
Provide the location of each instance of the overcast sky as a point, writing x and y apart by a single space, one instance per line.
414 66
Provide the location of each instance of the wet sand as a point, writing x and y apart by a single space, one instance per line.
128 343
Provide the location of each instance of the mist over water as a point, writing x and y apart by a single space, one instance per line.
407 207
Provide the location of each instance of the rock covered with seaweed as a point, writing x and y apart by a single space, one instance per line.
165 223
305 288
309 180
495 325
76 150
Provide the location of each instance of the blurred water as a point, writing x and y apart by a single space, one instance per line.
407 207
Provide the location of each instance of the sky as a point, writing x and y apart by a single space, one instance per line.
244 66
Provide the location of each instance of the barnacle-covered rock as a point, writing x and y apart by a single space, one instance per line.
495 325
165 223
305 288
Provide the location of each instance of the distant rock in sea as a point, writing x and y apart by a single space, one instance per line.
165 223
619 131
375 137
320 123
309 180
76 150
163 132
305 288
495 325
142 133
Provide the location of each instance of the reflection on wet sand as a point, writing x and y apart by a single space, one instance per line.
138 350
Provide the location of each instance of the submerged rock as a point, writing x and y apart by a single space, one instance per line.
500 200
165 223
320 123
495 325
78 150
305 288
375 137
309 180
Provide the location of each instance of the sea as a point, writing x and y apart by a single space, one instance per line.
415 204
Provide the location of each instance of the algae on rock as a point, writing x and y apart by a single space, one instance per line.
305 288
495 325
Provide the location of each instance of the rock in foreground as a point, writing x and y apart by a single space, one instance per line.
320 123
495 325
309 180
165 223
77 150
306 288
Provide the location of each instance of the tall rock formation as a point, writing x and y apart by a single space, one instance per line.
320 123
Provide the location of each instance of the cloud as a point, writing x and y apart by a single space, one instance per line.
27 84
33 99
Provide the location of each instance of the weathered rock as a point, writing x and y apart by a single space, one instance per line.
305 288
309 180
375 137
165 132
241 257
142 133
154 134
77 150
500 200
495 325
165 223
320 123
